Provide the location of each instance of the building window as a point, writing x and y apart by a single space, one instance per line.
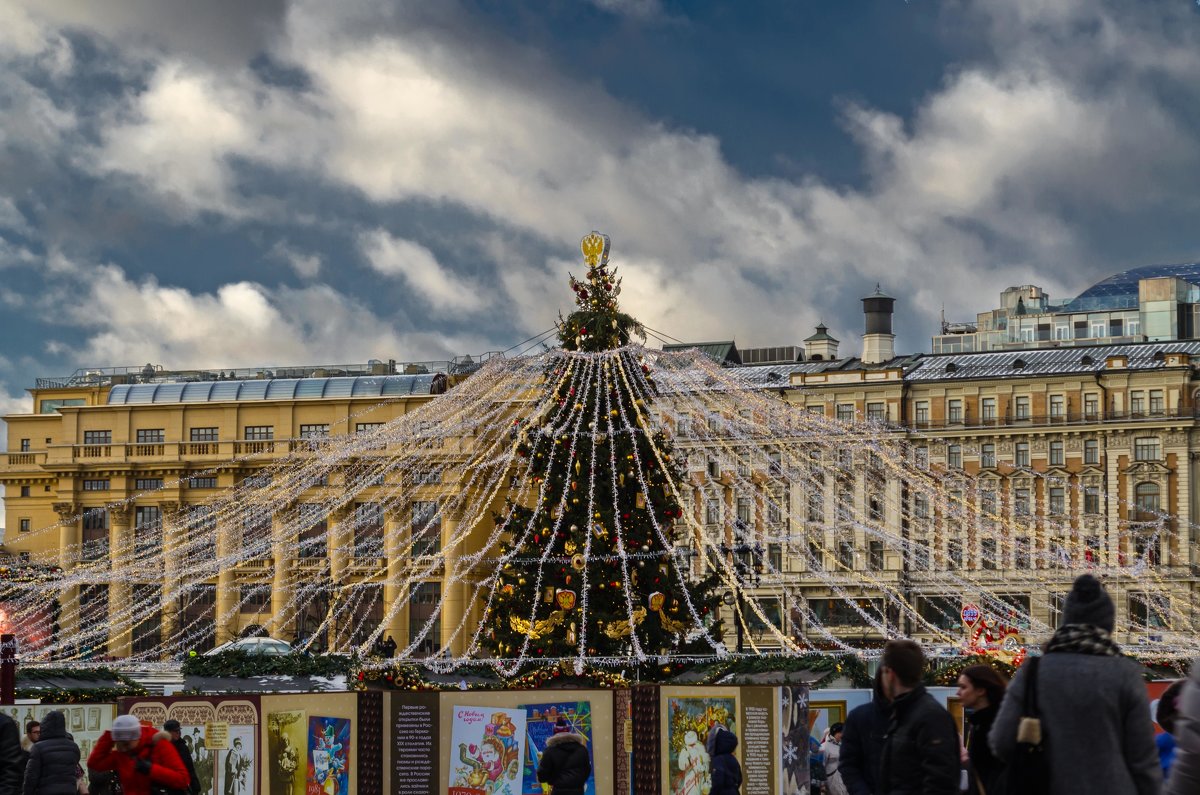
816 507
1145 548
743 514
714 468
845 412
1021 502
258 480
1022 553
1146 448
954 456
1146 502
423 614
1098 328
1149 611
148 484
846 555
922 412
1157 406
1091 451
427 477
712 512
1056 454
954 410
743 467
368 530
96 485
24 445
97 437
816 560
202 482
921 506
204 434
147 529
875 555
150 436
426 528
877 412
1091 406
987 455
24 491
1021 407
95 533
1091 501
256 599
314 431
256 532
954 555
314 530
1092 550
1058 407
367 427
259 433
1133 326
988 557
1021 456
987 408
1057 500
921 454
1137 403
25 525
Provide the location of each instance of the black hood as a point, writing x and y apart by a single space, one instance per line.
723 741
54 725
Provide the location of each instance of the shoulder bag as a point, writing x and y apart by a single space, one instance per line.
1029 770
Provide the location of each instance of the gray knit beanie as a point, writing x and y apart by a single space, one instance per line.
1089 603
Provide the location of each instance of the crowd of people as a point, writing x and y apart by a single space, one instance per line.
131 757
1076 720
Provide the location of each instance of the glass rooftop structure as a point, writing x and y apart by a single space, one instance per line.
368 386
1121 290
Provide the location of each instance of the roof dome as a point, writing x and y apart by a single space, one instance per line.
1121 290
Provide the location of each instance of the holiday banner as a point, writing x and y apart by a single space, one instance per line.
540 722
487 746
285 750
328 756
689 720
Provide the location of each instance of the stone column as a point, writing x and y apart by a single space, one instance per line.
454 594
228 595
68 540
283 552
121 568
173 531
395 613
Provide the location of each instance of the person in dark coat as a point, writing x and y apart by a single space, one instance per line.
1185 773
981 689
1095 714
920 751
565 764
54 760
724 769
862 742
33 733
173 728
10 756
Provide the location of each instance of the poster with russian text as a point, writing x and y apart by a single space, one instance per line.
540 721
487 747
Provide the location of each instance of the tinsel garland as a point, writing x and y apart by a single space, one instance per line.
847 666
413 677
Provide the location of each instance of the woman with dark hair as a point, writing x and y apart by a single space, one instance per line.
981 689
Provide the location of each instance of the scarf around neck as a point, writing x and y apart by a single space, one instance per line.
1083 639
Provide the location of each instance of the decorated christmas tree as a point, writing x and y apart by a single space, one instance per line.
592 533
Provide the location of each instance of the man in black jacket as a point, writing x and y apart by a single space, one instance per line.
565 763
10 756
862 742
920 752
173 728
54 760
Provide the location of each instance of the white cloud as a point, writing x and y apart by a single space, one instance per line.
395 256
239 325
306 265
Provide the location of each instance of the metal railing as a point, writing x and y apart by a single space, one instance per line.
1065 418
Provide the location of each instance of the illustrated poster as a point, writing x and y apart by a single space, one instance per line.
689 721
286 746
539 727
486 751
235 767
328 756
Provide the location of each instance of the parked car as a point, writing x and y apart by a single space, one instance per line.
269 646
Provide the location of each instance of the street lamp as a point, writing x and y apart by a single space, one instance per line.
746 574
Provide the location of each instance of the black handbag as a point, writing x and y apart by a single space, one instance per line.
1029 770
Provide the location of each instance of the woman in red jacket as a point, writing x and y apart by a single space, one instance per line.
140 755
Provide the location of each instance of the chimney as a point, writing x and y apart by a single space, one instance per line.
820 346
879 343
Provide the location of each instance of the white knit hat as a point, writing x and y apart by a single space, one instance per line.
126 727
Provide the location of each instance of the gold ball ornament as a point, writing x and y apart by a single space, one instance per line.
578 562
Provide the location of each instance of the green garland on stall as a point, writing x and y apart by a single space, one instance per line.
832 667
947 675
125 686
239 663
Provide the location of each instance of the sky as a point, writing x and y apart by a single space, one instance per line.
227 183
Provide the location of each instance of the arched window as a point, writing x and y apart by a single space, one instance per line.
1145 502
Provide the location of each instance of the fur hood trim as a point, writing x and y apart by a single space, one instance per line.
565 737
159 736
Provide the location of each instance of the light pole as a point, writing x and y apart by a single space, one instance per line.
746 573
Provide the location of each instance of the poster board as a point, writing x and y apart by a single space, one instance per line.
85 722
309 744
232 770
600 703
793 739
687 715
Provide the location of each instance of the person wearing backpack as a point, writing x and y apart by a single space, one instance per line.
53 760
1096 734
